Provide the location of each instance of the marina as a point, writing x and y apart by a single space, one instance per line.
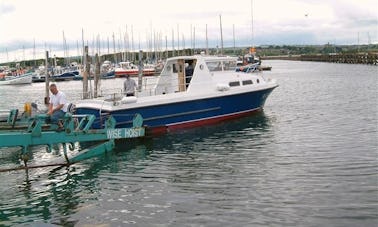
308 159
191 91
189 114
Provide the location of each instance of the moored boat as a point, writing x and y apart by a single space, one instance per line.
108 75
65 76
20 79
128 68
190 91
39 75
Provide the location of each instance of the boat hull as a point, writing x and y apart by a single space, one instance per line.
65 76
122 73
177 115
22 79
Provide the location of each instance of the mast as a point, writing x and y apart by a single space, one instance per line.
132 43
166 46
173 43
233 34
220 24
34 54
252 34
108 45
207 43
6 50
178 41
114 50
82 40
191 39
194 40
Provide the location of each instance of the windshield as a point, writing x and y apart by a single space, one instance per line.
219 65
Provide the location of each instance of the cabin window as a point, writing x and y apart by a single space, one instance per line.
234 83
247 82
174 68
214 66
229 65
167 69
258 81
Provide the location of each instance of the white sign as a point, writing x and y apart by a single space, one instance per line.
119 133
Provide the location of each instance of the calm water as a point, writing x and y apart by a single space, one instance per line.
310 159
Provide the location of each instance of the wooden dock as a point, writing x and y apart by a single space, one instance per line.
354 58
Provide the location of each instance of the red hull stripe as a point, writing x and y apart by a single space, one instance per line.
200 122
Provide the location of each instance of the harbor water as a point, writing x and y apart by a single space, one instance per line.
309 159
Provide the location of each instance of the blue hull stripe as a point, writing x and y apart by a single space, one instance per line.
188 111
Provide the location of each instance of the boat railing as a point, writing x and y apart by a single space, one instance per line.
148 89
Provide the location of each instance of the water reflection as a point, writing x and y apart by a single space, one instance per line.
254 126
58 194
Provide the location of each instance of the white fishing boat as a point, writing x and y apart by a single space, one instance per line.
20 79
190 91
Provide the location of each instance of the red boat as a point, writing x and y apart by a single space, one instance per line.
128 68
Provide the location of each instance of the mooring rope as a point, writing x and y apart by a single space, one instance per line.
34 167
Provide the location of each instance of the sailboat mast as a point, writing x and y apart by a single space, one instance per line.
252 34
220 24
207 43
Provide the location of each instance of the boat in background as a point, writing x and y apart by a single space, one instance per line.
65 73
108 75
190 91
19 79
39 74
252 59
128 68
107 70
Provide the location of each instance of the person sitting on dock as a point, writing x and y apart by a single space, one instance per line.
57 106
129 86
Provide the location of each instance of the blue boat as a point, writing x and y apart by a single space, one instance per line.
70 75
108 75
190 91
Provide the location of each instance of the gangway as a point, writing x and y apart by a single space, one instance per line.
77 128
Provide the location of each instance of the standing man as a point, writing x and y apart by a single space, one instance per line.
129 86
57 106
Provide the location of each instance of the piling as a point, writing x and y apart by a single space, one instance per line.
86 73
96 75
47 79
140 70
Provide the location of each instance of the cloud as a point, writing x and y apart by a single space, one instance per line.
6 8
274 22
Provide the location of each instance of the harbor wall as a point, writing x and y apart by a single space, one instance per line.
349 58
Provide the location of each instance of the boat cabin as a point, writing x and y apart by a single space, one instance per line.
192 73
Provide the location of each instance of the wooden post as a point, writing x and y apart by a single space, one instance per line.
47 80
96 75
85 73
140 70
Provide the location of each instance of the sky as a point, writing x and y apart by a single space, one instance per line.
42 23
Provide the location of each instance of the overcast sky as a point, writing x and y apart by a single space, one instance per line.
289 22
